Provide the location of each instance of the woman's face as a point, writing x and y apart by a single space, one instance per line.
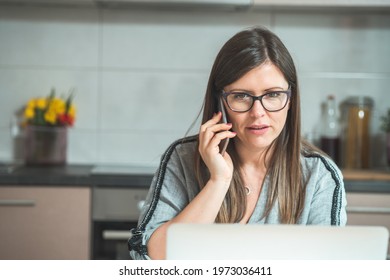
258 128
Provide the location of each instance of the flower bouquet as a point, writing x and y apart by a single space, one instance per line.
50 111
47 120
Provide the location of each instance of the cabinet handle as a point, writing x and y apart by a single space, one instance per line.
17 202
116 234
370 210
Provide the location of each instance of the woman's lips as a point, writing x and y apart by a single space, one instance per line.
258 129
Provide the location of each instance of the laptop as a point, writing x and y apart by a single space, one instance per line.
275 242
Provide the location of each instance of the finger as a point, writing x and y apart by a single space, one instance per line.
208 134
221 136
214 120
203 128
213 144
218 128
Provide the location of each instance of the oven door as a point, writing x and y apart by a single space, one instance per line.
115 211
110 240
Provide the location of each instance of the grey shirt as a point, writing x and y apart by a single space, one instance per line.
174 186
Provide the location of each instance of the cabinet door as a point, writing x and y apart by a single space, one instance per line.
45 222
369 209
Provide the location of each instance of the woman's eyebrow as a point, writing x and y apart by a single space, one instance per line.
274 88
241 90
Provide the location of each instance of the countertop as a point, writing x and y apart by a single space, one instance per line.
77 175
377 181
141 177
366 175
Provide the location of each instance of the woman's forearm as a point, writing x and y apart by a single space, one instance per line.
202 209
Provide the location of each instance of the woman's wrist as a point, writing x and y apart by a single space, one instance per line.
221 182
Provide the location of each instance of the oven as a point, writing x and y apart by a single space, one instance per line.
117 199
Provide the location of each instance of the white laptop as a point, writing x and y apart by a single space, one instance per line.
275 242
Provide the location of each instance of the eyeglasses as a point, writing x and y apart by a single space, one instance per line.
241 101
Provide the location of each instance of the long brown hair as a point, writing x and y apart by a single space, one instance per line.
245 51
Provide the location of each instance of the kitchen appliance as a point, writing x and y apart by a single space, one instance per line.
117 198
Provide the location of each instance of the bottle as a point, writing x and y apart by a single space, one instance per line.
330 133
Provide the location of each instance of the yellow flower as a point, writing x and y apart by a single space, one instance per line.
41 103
72 111
50 116
50 111
58 105
29 113
31 104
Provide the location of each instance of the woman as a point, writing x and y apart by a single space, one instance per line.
268 175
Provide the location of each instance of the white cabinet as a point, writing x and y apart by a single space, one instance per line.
369 209
50 2
208 4
45 222
322 3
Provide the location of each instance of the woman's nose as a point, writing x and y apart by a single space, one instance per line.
257 109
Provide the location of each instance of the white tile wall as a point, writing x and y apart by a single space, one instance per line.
19 84
48 37
151 101
355 42
169 40
140 76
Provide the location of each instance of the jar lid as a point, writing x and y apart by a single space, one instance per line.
360 101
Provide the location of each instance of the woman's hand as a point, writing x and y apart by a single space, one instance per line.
206 204
211 134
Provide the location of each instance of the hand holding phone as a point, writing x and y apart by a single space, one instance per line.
224 142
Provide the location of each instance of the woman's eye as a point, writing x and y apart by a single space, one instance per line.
240 96
273 95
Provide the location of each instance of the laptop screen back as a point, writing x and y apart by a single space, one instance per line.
272 242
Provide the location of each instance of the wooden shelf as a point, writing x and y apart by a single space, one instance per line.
366 175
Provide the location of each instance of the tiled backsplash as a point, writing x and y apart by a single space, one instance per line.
140 76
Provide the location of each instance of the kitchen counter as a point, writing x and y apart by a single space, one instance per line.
366 175
140 177
370 181
51 175
78 175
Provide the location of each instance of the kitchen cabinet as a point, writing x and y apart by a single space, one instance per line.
322 3
369 209
48 222
49 2
263 5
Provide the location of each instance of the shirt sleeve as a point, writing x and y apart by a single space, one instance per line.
328 201
166 198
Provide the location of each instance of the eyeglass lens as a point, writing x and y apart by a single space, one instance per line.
242 101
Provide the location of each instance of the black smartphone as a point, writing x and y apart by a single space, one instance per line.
224 143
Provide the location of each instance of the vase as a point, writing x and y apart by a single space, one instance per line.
45 145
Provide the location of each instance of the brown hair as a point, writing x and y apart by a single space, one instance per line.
245 51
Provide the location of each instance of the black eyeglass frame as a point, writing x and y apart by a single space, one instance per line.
254 98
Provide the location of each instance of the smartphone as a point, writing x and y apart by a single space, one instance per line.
224 143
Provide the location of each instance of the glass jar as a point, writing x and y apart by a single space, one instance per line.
356 132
